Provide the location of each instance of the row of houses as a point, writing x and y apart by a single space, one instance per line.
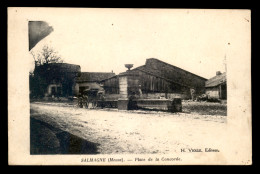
154 79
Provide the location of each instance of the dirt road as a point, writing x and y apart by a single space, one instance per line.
133 132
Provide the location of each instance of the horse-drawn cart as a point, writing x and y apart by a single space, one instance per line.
89 98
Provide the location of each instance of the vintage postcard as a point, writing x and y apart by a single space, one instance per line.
90 86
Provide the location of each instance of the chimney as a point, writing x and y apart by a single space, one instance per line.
218 73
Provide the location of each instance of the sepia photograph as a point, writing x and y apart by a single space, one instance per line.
90 86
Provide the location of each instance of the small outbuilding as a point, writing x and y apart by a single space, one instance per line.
216 87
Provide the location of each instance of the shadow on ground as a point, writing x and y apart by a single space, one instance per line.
46 139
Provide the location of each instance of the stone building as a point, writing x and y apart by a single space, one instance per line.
156 79
54 79
216 87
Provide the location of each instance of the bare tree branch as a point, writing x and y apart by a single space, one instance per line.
46 56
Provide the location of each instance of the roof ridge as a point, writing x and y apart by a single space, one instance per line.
177 67
215 77
216 80
137 67
100 72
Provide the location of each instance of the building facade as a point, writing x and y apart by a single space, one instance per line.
158 79
216 87
54 79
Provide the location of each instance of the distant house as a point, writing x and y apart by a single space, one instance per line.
216 87
90 80
158 79
54 79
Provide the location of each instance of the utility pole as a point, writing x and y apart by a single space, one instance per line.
225 63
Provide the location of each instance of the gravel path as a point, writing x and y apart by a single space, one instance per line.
133 132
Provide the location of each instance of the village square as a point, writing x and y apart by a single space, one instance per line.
153 108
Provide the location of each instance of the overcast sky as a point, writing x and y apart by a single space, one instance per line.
104 40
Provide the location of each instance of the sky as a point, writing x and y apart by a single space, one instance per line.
103 40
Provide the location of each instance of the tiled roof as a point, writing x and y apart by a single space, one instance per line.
169 72
157 61
217 80
94 76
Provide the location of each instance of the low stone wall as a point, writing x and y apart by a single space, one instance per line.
170 105
163 95
112 96
174 105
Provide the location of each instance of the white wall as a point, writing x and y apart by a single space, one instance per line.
123 86
213 92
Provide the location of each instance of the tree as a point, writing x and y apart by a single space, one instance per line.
46 56
39 78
